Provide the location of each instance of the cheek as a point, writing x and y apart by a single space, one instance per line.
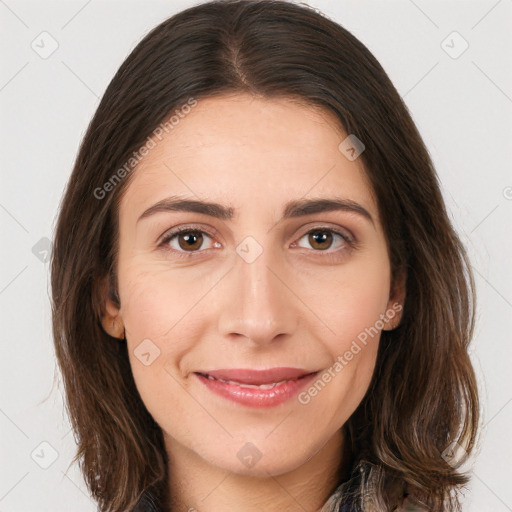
358 311
352 306
151 310
340 388
166 317
154 300
350 300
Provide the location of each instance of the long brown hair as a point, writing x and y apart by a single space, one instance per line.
423 396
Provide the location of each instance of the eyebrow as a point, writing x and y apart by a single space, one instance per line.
292 209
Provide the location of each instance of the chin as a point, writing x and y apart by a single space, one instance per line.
261 459
262 468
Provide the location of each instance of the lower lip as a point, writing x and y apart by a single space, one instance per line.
257 397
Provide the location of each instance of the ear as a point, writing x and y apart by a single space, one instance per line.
396 302
111 319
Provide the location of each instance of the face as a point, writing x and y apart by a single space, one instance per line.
259 323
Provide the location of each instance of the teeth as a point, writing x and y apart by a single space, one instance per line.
260 386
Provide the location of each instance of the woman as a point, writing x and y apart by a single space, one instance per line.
230 343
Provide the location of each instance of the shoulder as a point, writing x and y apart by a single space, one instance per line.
147 503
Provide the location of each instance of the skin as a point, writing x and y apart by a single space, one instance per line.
295 305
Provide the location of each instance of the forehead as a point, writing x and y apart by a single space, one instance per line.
250 153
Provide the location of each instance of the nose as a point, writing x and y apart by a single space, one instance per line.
256 302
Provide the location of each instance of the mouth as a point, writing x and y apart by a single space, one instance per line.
256 388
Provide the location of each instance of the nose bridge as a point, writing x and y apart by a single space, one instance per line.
258 304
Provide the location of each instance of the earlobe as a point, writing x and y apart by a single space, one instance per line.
394 311
393 317
111 319
112 322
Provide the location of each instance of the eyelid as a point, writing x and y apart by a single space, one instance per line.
344 233
185 228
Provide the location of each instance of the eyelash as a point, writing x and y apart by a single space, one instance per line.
332 255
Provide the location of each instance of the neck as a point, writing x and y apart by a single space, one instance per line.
197 486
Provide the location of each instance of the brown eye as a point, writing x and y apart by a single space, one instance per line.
320 239
186 240
190 240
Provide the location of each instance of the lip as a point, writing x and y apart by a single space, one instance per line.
258 377
256 388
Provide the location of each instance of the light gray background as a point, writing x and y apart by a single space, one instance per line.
462 107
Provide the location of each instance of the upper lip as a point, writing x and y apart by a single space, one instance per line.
250 376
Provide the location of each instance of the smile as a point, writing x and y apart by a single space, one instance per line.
256 388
